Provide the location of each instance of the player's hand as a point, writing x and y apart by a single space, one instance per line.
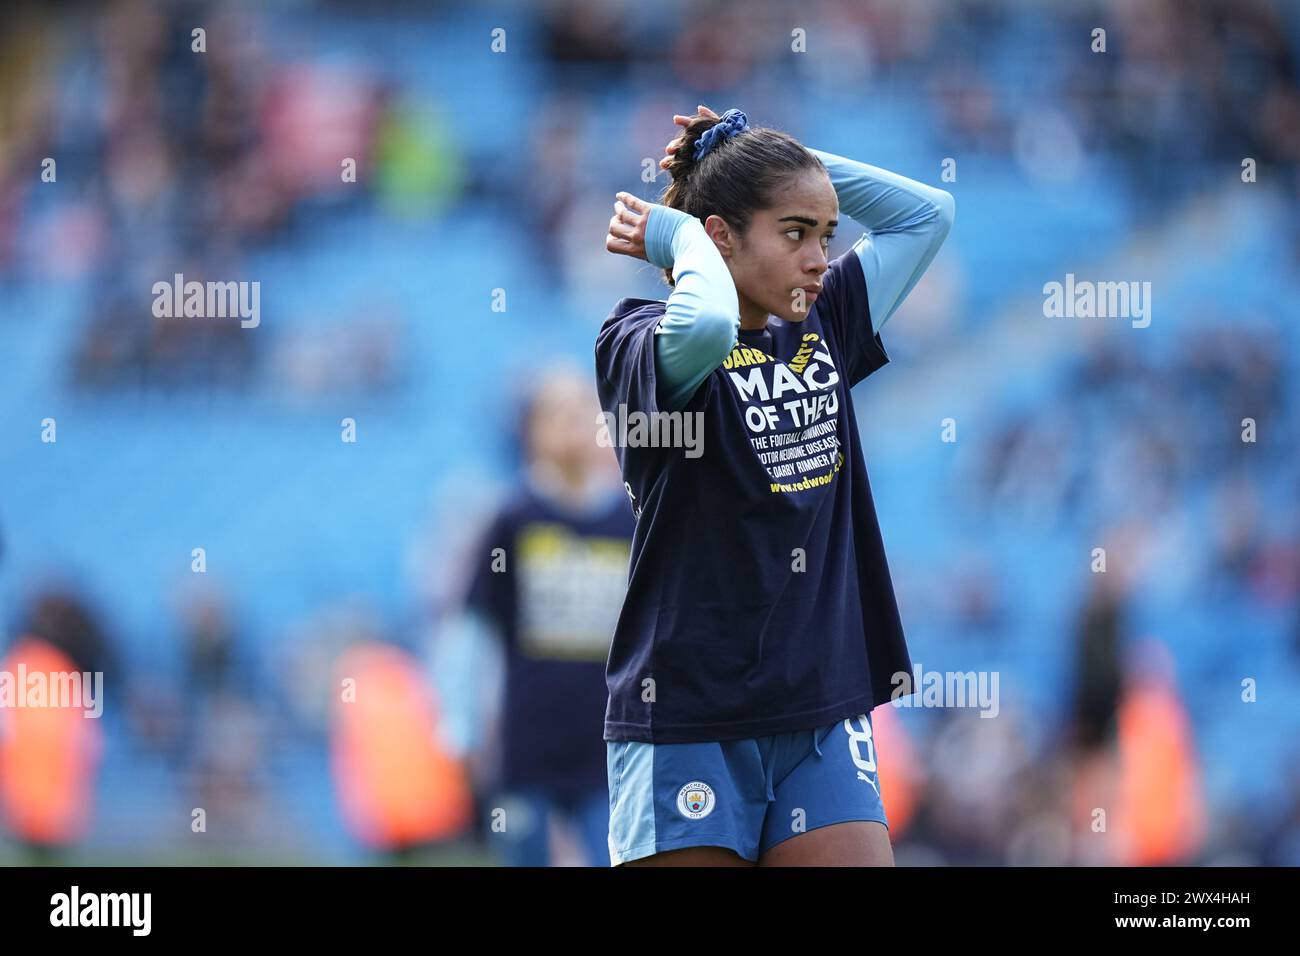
627 227
682 121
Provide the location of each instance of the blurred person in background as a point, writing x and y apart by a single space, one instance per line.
1091 732
222 719
399 790
1136 797
1160 816
533 634
50 749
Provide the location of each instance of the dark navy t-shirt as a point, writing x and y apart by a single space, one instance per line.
555 603
759 600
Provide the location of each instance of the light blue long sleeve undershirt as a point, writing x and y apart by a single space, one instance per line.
907 221
702 315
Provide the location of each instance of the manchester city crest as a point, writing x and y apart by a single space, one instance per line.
695 800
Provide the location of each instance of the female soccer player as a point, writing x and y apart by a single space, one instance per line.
759 627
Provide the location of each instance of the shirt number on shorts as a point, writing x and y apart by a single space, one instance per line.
857 738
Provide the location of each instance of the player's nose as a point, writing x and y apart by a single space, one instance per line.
816 266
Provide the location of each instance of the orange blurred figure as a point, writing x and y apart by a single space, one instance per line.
397 787
49 755
1160 812
896 769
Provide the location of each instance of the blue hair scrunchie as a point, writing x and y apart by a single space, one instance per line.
728 125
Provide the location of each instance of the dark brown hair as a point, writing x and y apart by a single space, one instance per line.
737 177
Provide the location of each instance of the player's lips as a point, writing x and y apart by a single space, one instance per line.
811 289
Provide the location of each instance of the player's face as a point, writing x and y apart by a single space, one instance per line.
563 424
783 255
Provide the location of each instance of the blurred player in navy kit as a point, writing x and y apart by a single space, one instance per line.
545 584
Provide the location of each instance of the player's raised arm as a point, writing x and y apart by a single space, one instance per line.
702 313
907 222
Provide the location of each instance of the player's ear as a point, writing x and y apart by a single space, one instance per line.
723 236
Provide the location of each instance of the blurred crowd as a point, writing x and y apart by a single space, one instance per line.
176 153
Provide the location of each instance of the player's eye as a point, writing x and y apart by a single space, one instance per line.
797 234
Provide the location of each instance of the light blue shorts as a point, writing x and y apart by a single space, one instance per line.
747 795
